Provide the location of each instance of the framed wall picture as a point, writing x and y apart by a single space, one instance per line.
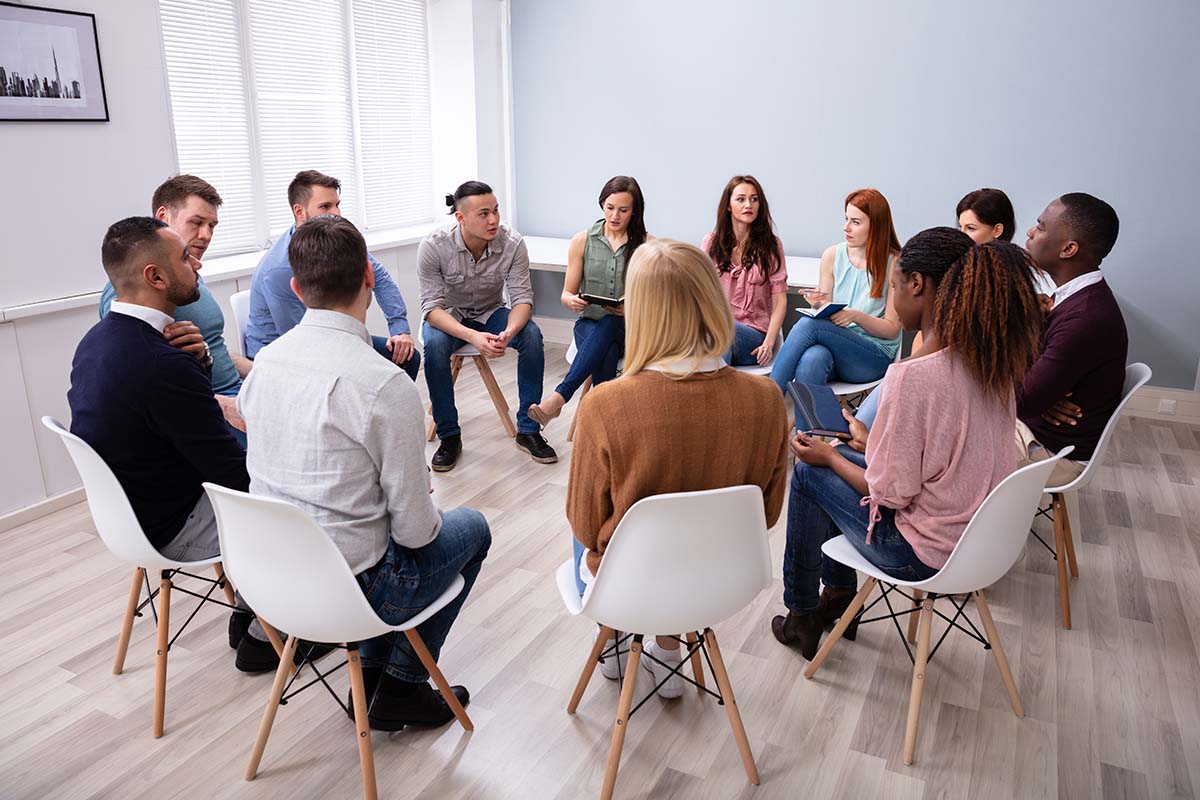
50 65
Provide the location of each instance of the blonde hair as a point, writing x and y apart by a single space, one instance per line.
675 308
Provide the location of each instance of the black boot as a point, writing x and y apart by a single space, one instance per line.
537 447
398 703
447 454
832 605
802 630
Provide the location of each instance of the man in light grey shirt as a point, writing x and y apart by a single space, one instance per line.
338 432
463 271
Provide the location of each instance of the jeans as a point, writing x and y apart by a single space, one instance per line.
822 505
411 366
577 556
816 351
531 364
745 341
406 581
239 436
600 344
869 408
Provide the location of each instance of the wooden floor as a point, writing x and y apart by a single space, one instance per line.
1113 706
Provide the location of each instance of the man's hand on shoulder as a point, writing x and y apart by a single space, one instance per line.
187 337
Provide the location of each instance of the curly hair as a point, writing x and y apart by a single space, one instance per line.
987 310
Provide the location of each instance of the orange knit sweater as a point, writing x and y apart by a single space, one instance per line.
649 434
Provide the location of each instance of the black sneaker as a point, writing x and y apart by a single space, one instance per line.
537 447
255 656
447 454
239 623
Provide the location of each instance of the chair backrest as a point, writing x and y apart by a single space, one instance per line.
116 523
289 570
1137 375
997 532
240 301
681 562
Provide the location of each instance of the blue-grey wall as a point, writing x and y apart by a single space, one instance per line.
924 101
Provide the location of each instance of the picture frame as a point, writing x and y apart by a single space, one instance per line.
50 66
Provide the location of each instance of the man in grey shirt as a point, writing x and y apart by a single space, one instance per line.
463 272
338 432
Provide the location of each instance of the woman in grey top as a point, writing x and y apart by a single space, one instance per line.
596 269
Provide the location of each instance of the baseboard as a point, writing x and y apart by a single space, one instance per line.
38 510
1147 402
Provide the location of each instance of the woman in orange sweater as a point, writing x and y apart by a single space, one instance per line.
675 420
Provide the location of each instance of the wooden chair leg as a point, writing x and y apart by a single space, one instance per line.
918 680
583 390
276 643
489 380
622 722
1060 549
160 662
735 718
697 664
602 640
1060 507
439 680
358 695
989 627
268 718
912 618
135 590
841 626
227 586
455 368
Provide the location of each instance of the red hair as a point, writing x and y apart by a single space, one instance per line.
881 238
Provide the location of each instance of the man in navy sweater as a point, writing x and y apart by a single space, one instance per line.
1076 384
147 407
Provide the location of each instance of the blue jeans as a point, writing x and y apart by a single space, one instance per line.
411 366
817 351
406 581
577 556
822 506
600 344
531 364
745 341
869 408
239 436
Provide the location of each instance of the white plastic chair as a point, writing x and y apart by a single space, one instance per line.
990 545
715 543
1136 376
572 350
291 572
122 534
240 302
852 392
489 380
765 369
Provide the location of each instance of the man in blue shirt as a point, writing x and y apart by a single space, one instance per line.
189 207
274 307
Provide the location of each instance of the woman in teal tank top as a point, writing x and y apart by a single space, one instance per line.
596 268
858 343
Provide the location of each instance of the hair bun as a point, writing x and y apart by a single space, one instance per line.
449 201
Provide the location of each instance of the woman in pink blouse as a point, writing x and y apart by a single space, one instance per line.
940 443
750 263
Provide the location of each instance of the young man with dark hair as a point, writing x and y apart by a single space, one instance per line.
188 205
274 307
319 393
1076 383
463 271
147 407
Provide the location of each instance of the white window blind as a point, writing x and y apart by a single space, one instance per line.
261 90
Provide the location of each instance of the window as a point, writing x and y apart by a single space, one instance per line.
261 90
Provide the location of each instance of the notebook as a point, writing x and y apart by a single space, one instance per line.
598 300
824 312
818 411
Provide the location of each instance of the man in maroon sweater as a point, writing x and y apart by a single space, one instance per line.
1076 384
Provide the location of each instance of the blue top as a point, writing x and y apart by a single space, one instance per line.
852 286
206 315
275 309
147 409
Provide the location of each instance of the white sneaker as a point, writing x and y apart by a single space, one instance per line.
674 686
609 665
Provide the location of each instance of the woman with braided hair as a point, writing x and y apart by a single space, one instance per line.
940 443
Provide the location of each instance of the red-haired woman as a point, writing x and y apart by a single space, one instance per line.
859 342
750 263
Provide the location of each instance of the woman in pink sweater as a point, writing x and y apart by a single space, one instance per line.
941 440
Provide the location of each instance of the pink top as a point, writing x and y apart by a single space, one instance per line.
939 445
750 291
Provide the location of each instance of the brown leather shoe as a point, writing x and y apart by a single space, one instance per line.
832 605
802 630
